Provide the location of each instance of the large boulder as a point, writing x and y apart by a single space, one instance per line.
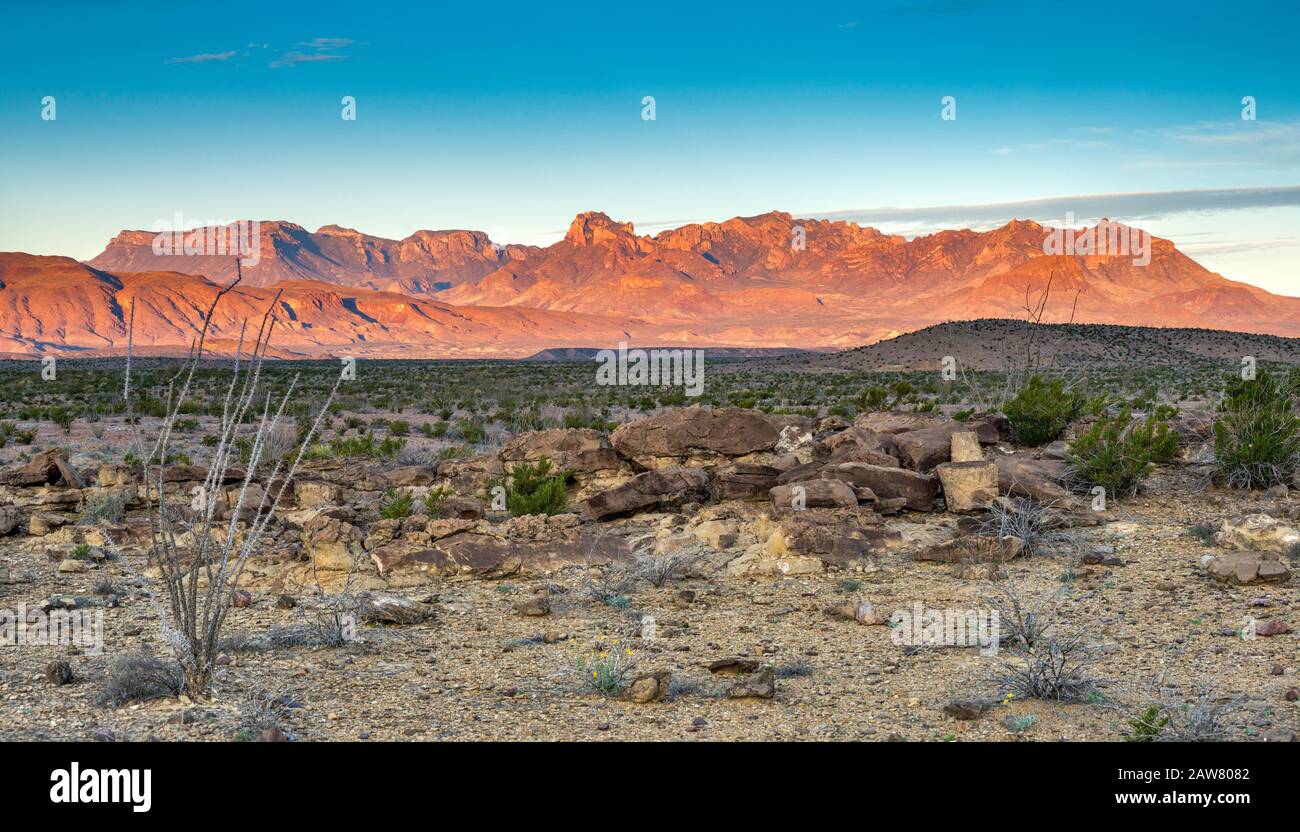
409 476
885 482
728 431
968 486
856 445
46 468
580 451
1023 476
310 494
332 544
808 542
9 519
888 421
743 481
923 449
647 489
471 474
115 474
1257 532
973 548
819 493
1247 568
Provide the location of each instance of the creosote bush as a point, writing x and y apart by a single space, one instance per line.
1118 453
395 507
533 488
1257 434
1042 410
105 506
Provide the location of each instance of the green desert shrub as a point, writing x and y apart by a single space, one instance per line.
103 506
533 488
1042 409
436 499
62 417
396 507
1256 435
351 447
472 432
1118 453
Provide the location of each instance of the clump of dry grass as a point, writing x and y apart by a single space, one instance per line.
139 677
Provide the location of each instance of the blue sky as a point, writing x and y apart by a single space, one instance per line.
511 118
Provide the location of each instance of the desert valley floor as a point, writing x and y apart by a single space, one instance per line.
773 622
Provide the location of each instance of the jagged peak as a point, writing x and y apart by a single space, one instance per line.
595 227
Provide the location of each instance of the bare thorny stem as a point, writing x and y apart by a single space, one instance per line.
199 562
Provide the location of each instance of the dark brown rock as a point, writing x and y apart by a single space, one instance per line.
743 481
923 449
856 444
577 450
729 431
815 494
647 489
885 482
758 685
1023 476
48 467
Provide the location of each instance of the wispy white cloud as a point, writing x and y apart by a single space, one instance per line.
1141 205
316 50
203 58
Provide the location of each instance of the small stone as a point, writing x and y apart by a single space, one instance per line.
72 565
758 685
333 717
649 687
1292 695
58 673
965 709
1276 670
286 602
241 598
536 606
1274 627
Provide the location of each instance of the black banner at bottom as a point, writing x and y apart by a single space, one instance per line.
144 782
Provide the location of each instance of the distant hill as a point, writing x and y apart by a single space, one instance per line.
999 344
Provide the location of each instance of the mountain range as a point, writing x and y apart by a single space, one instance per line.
768 281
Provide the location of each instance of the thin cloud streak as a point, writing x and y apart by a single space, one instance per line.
1130 206
203 58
